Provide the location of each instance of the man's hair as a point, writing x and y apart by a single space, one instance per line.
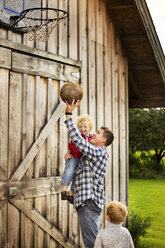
108 135
85 118
117 212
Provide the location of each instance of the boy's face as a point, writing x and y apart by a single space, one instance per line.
83 128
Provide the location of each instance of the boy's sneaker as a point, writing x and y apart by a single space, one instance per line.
70 199
64 195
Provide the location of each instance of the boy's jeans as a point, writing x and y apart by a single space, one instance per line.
88 213
69 172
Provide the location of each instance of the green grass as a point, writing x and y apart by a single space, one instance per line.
147 197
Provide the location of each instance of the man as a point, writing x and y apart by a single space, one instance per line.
89 194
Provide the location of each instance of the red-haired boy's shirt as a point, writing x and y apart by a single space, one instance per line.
73 150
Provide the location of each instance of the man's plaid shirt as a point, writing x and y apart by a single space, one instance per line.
90 171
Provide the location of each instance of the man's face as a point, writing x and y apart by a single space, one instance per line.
98 138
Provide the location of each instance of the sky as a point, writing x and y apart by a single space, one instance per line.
157 11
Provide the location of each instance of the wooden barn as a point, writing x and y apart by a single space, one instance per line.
111 48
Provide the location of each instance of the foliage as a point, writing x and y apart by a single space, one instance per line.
147 132
142 165
137 227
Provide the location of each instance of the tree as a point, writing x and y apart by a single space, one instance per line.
147 131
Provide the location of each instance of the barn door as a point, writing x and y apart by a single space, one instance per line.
34 141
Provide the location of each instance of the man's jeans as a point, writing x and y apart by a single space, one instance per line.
69 172
88 214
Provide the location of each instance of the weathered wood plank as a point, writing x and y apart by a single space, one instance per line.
38 53
3 190
15 115
43 67
115 73
82 26
123 131
99 22
31 187
100 86
49 112
14 154
108 120
92 20
54 157
13 225
37 158
40 44
3 33
127 130
73 30
41 205
27 227
105 25
63 31
45 225
3 224
5 58
25 115
100 97
48 154
84 84
16 37
4 91
92 107
18 174
52 44
30 117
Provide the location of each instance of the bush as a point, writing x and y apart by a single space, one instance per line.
137 227
142 165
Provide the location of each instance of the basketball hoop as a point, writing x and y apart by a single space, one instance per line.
39 22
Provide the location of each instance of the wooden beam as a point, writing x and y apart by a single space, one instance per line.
144 67
44 224
34 187
120 6
5 58
44 67
133 37
3 190
134 84
147 102
38 53
22 168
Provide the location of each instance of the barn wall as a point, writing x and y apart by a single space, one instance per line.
30 96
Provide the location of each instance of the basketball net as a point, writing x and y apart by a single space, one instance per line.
39 29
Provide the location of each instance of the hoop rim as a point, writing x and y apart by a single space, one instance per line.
24 12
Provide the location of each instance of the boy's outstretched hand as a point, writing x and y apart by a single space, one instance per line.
72 106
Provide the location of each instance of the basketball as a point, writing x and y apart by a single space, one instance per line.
71 91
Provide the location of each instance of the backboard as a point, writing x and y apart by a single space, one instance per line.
12 8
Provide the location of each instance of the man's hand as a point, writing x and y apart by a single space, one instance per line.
67 156
72 106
